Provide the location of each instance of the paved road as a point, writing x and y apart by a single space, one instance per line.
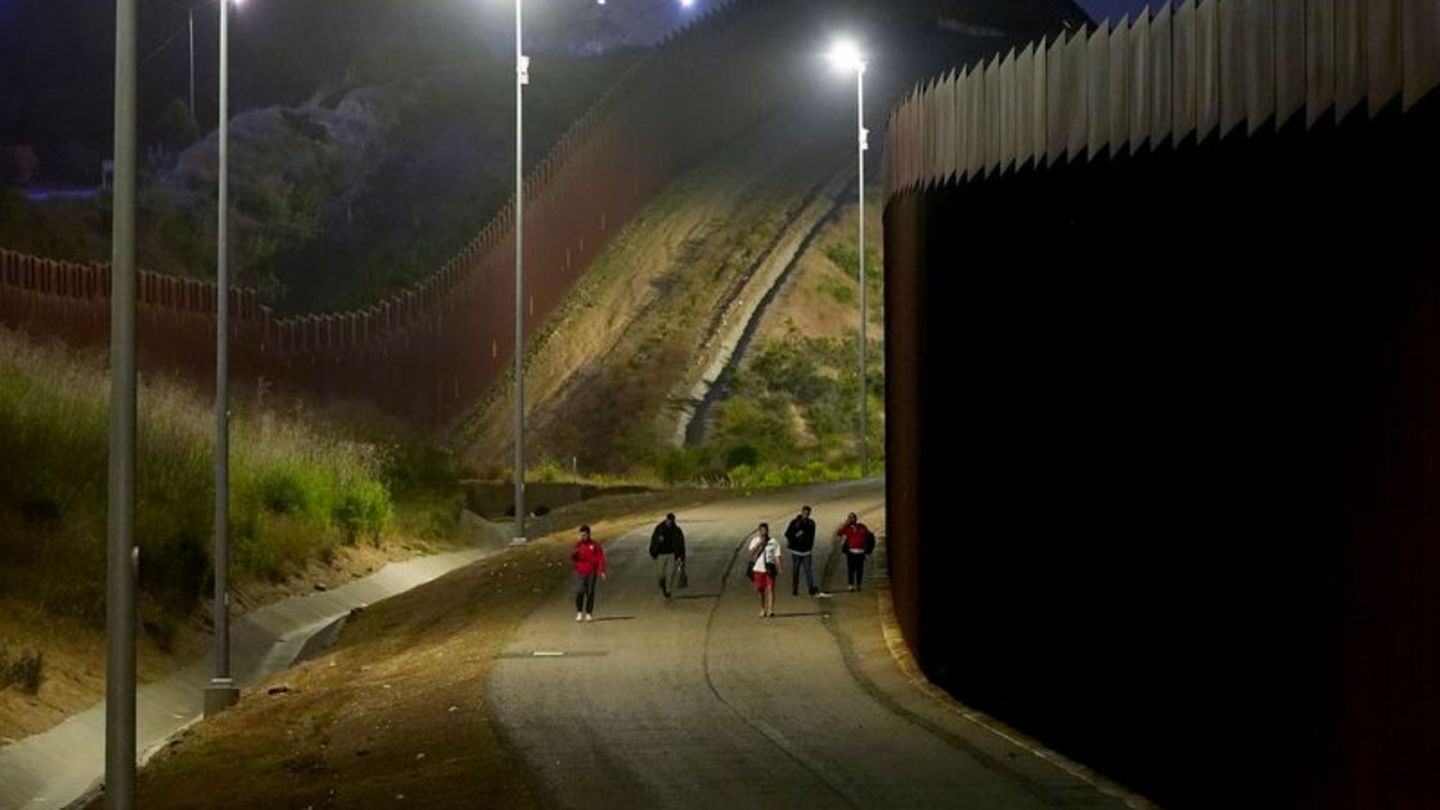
698 702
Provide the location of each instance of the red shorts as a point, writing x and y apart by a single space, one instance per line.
762 580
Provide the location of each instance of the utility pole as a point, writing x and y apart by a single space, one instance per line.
221 693
121 552
193 115
864 386
522 78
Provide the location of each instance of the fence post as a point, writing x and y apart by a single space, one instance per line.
1421 33
1384 53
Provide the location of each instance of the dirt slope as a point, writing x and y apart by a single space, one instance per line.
602 377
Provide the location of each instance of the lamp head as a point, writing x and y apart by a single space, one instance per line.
845 57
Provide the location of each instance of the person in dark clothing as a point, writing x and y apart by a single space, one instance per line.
800 538
589 559
667 549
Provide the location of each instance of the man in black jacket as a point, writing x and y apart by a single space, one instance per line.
800 537
667 545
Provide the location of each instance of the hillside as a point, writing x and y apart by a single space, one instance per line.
611 381
716 337
316 498
337 200
665 358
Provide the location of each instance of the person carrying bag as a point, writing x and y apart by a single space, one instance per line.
764 568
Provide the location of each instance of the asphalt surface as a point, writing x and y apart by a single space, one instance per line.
699 702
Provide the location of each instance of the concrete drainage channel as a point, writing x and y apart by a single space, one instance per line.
62 767
743 314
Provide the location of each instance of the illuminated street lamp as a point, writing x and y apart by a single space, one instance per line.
522 78
845 57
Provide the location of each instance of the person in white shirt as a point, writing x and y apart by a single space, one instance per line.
765 567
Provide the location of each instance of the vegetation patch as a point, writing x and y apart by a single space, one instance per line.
301 497
790 417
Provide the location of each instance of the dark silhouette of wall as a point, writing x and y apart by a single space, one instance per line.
1163 427
1174 507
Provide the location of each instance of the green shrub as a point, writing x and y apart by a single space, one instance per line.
790 417
418 467
774 475
295 493
839 291
280 548
364 507
433 516
679 465
844 255
549 472
742 455
280 493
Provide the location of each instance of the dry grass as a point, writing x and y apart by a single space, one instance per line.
398 710
74 668
299 501
821 299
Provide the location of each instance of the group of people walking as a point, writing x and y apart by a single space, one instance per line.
764 559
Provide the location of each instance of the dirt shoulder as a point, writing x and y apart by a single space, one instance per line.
397 708
74 665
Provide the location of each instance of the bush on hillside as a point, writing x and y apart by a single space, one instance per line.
789 418
295 493
845 257
364 508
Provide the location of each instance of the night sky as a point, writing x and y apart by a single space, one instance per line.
1113 9
56 55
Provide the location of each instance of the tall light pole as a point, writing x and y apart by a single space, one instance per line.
845 56
193 116
121 554
522 78
221 693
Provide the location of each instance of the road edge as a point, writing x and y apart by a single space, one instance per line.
905 660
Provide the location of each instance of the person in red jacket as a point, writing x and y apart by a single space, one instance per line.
856 542
589 557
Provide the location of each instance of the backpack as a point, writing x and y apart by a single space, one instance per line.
752 556
869 542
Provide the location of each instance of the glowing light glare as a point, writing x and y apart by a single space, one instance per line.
687 3
845 57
